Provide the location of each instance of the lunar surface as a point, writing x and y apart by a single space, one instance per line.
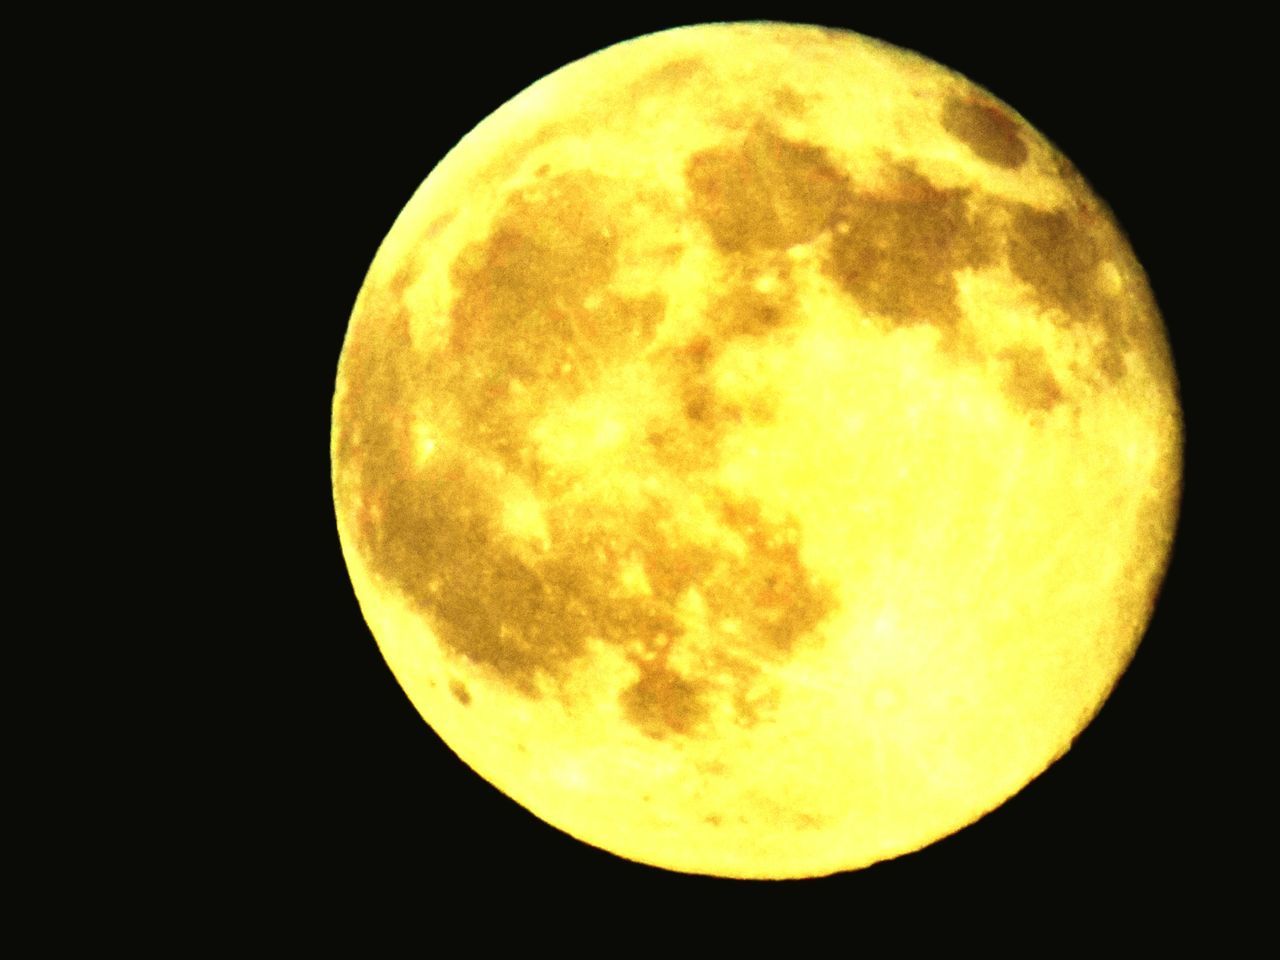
756 451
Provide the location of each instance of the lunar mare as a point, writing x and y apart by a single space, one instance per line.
756 450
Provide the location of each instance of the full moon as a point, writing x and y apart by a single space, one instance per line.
756 450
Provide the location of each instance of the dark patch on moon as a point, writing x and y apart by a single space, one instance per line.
663 702
692 442
532 300
1028 381
460 692
808 821
744 310
767 193
521 286
786 100
523 314
986 130
896 252
1059 254
1054 253
534 311
670 79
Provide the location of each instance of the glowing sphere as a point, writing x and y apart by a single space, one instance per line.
756 450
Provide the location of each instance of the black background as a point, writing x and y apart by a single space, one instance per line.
340 788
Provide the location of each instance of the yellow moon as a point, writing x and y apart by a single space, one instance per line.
756 450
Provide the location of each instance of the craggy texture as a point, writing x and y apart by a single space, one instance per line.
534 308
521 315
764 481
898 251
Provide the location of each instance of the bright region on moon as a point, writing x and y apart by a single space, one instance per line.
756 450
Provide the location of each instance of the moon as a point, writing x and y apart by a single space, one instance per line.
756 450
